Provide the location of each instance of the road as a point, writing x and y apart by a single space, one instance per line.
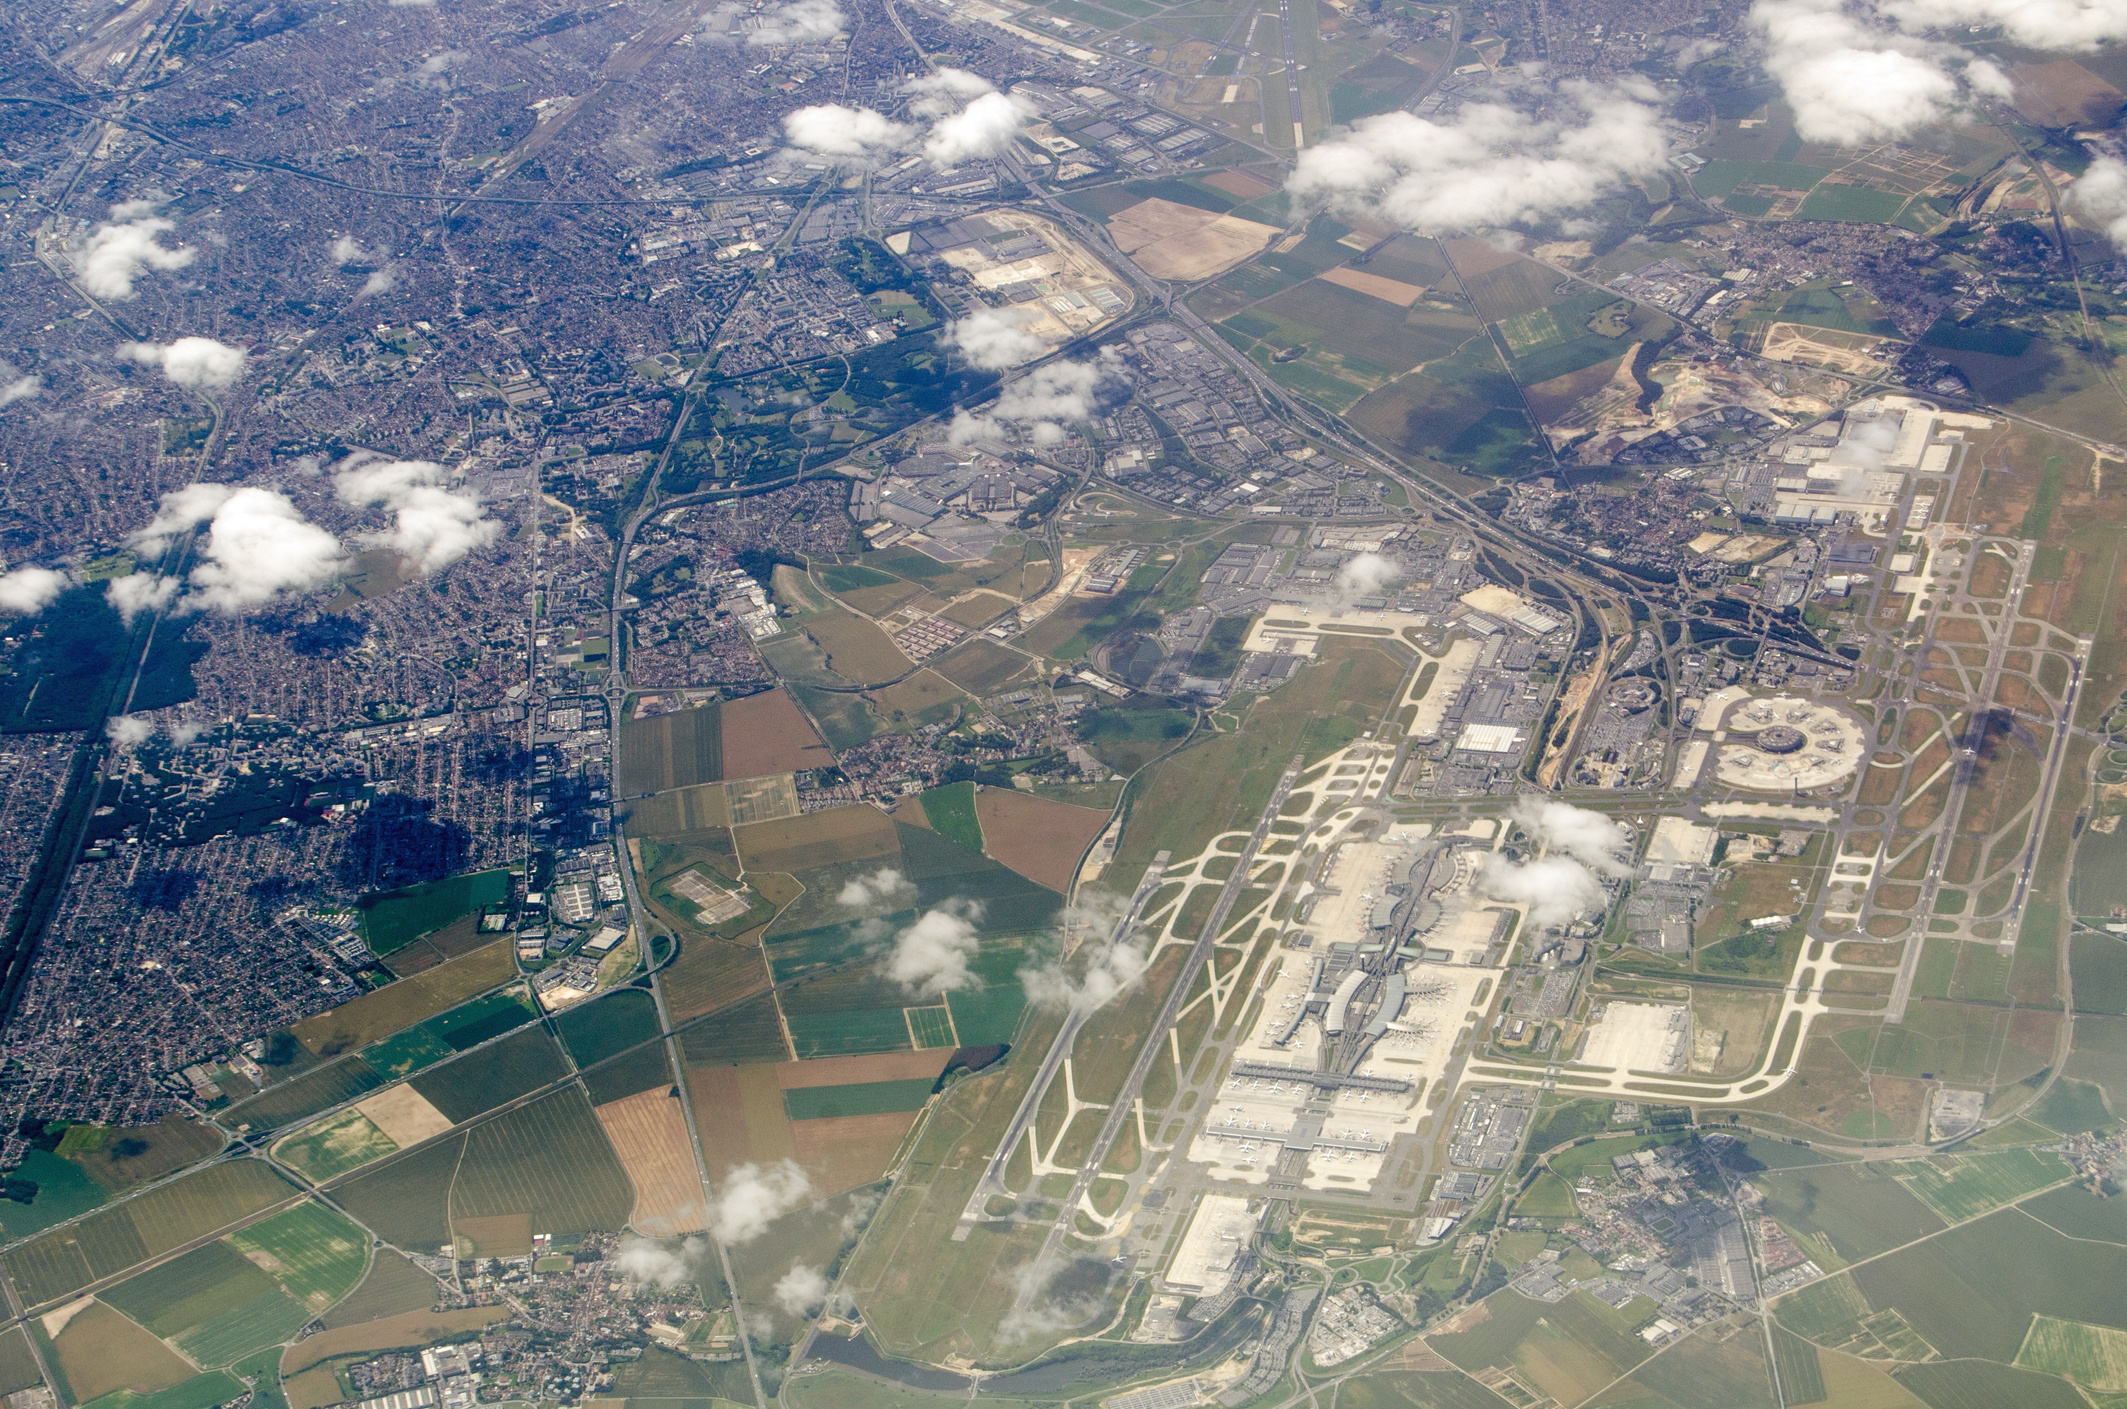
1125 1100
992 1182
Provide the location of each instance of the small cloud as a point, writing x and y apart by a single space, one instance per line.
992 339
884 884
28 590
753 1196
432 527
192 363
348 250
129 730
801 1290
118 251
1042 402
257 547
16 385
658 1265
381 281
931 956
798 22
137 592
1365 575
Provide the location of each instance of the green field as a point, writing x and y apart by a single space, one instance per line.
64 1190
1977 1183
851 1033
549 1160
314 1091
214 1304
608 1025
2098 965
199 1392
862 1098
752 1031
932 1026
314 1252
333 1146
2090 1355
1856 1211
482 1080
109 1242
951 810
486 1017
1974 1289
393 919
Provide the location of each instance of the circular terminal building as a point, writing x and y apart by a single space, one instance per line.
1788 745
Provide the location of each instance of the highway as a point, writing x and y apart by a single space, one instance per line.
1123 1104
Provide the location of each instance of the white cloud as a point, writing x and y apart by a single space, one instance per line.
752 1198
984 128
121 248
1849 80
1870 72
993 339
930 957
26 590
1489 164
192 363
433 526
137 592
1109 967
139 206
380 281
967 119
16 385
185 732
946 91
183 509
1045 399
348 250
835 130
884 884
1590 838
1556 889
2042 24
801 1289
657 1265
1365 576
798 22
258 546
128 730
1564 884
2100 197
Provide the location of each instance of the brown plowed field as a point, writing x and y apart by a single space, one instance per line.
853 1071
847 1152
1040 839
649 1133
769 734
739 1111
793 844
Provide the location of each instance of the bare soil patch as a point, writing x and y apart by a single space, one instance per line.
1040 839
849 1151
768 733
649 1133
404 1114
795 844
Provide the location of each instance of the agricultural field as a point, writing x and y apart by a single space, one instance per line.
648 1131
666 751
483 1079
334 1146
108 1242
608 1025
397 1006
392 920
1040 839
768 733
